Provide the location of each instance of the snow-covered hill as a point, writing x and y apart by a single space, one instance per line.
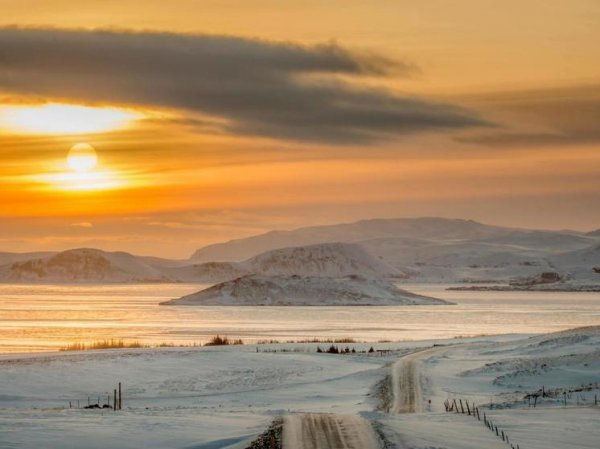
91 265
582 264
439 250
422 250
257 290
208 272
6 258
322 260
83 265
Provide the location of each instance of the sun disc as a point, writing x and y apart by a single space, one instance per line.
82 157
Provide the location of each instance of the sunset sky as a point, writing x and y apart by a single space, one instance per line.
212 120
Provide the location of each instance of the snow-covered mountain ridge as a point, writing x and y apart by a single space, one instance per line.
423 250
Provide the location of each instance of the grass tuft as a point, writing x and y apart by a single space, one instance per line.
103 344
223 341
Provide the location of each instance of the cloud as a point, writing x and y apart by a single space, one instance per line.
552 116
257 87
83 224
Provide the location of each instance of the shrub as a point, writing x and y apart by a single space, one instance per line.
223 341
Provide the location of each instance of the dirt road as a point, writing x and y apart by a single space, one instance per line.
406 382
327 431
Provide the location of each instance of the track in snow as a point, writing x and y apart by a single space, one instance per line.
406 382
327 431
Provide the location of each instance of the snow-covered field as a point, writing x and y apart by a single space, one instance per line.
173 398
218 397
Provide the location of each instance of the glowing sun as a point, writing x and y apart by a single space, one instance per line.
82 158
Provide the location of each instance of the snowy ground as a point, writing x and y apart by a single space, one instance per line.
222 397
174 398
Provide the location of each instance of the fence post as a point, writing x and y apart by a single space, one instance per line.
115 399
120 397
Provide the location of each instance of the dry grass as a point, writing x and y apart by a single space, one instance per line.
103 344
310 340
223 341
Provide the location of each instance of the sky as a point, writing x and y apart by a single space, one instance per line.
158 127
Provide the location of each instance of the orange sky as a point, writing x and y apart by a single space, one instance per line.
216 120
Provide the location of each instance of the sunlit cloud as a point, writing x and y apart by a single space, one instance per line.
55 118
98 180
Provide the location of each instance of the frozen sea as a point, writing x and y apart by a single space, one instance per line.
47 317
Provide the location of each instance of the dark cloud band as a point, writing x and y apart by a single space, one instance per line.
258 87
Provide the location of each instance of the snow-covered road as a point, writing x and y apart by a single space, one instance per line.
327 431
406 382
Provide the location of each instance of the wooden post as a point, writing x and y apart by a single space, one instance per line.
69 404
503 436
497 434
478 417
455 406
120 397
535 401
468 408
462 409
115 399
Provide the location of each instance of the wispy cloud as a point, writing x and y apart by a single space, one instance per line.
541 117
257 87
82 224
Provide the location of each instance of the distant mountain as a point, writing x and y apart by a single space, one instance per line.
429 249
92 265
427 228
6 258
258 290
421 249
82 265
